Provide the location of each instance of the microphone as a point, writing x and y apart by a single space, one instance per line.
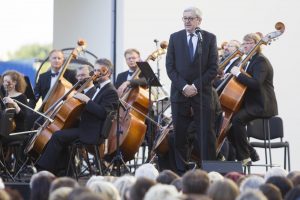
156 41
198 32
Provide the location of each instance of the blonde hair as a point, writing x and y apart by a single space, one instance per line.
18 78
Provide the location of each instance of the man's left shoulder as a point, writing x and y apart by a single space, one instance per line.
208 34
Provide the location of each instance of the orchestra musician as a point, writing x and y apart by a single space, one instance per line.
48 79
125 79
97 107
183 68
259 100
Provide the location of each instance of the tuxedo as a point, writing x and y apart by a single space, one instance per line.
122 77
259 102
88 131
182 71
43 85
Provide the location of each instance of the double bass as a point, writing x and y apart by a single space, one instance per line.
132 117
231 97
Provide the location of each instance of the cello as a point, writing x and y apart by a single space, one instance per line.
231 97
132 118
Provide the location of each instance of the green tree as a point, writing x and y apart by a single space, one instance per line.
31 51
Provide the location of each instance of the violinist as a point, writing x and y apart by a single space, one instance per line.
259 99
14 86
104 100
48 79
125 79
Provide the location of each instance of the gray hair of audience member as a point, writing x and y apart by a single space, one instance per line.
146 170
178 184
195 181
78 191
94 179
252 195
296 180
275 171
90 196
251 182
123 183
140 188
162 192
61 193
283 183
105 188
214 176
292 174
224 189
270 191
41 173
195 197
166 177
63 182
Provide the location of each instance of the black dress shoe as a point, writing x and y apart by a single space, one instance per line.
254 156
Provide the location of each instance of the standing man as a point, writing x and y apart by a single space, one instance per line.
47 79
259 100
89 129
192 62
125 79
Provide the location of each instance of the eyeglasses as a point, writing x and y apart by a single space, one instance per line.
188 19
247 43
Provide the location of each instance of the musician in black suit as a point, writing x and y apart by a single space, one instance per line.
125 79
89 128
47 79
259 101
183 68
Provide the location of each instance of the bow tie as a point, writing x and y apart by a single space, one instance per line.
130 73
54 74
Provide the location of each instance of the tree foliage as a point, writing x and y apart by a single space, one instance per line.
37 51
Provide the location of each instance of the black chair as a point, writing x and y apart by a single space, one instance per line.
78 148
270 131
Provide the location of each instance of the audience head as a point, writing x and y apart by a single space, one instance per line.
105 188
283 183
296 180
275 171
146 170
94 179
166 177
4 195
270 191
252 195
162 192
78 191
61 193
235 176
251 182
63 182
293 194
140 188
40 184
292 174
195 182
223 190
123 184
178 184
214 176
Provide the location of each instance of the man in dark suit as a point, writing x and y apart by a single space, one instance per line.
192 62
89 128
47 79
259 100
125 79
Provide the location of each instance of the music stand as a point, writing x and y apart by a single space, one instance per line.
152 81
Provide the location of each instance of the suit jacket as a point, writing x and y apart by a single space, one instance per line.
260 99
43 85
122 77
181 70
95 112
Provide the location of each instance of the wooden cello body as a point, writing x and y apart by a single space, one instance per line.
232 95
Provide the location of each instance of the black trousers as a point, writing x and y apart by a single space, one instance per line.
182 117
55 156
238 136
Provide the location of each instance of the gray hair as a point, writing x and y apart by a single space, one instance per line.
195 10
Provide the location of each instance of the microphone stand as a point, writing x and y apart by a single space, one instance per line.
199 52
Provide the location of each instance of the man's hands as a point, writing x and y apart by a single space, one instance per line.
189 91
81 97
235 71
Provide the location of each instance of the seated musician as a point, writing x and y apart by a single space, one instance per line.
125 79
14 86
47 79
259 99
89 128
